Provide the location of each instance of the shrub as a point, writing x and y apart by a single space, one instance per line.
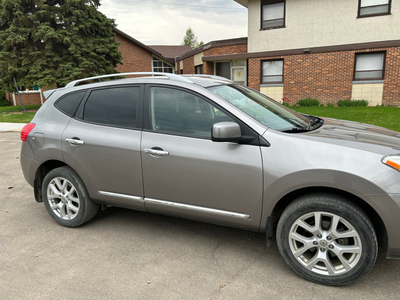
349 102
329 104
308 102
3 99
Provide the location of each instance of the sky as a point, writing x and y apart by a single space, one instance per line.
164 22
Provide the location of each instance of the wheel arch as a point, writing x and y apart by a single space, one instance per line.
41 173
281 205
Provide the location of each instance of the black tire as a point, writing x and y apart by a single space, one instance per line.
66 198
322 245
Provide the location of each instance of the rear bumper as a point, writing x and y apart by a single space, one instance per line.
28 165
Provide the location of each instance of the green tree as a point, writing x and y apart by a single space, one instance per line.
190 39
50 42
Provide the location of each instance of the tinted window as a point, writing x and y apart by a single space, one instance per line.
69 103
182 113
114 106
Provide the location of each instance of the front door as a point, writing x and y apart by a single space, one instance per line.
187 174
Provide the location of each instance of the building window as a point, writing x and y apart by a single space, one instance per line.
369 66
198 69
160 66
272 14
272 71
368 8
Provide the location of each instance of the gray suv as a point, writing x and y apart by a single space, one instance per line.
204 148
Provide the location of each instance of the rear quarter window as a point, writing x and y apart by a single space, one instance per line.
113 107
69 103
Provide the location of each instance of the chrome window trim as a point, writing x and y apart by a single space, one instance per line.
123 196
198 208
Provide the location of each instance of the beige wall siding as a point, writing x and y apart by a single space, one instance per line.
372 92
198 59
274 92
316 23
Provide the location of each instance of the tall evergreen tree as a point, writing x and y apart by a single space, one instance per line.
50 42
190 39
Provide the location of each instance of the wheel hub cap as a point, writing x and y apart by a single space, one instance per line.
63 198
325 243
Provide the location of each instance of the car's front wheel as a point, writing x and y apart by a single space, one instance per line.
66 198
327 240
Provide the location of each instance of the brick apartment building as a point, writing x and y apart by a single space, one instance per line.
215 58
323 49
137 57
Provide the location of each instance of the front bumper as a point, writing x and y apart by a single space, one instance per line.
388 208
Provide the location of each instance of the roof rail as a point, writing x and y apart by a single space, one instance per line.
207 76
169 75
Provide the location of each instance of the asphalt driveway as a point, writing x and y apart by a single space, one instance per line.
125 254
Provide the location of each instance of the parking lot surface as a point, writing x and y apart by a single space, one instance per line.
125 254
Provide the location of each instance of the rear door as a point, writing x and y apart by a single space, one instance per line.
102 144
187 174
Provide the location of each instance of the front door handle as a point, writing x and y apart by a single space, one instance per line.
156 152
75 141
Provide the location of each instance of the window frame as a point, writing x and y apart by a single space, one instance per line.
139 109
376 14
262 69
164 65
369 79
247 132
267 2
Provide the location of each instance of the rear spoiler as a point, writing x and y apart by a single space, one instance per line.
48 93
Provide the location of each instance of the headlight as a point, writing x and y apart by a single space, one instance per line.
392 161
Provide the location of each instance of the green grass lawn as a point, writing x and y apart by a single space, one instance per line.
15 114
388 117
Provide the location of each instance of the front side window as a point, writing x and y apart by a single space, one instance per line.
181 113
261 108
272 71
161 66
369 8
369 66
272 14
113 107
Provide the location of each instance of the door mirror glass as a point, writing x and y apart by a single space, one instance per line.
226 132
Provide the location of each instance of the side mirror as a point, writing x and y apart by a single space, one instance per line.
226 132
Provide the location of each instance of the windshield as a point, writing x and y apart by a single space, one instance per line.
263 109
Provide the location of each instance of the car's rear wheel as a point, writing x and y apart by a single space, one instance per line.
327 240
66 198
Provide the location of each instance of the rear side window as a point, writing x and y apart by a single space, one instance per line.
113 106
69 103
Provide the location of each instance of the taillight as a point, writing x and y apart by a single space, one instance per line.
26 130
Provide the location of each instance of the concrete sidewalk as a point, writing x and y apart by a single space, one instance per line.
7 127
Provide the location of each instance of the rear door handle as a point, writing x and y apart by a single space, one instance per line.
156 152
75 141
